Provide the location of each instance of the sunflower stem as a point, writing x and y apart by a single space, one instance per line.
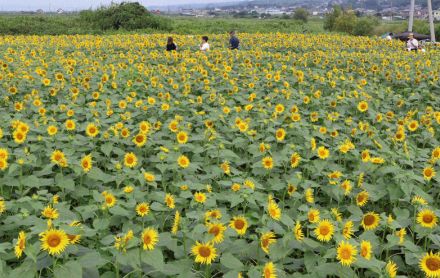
208 271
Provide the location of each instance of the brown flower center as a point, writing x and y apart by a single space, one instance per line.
369 220
53 240
239 224
427 218
433 264
204 251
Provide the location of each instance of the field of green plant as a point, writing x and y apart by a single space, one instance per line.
297 156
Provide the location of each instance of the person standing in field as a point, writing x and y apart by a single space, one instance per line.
204 46
234 42
412 44
171 46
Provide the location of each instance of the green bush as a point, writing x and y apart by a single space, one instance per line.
365 26
301 14
126 15
345 23
330 19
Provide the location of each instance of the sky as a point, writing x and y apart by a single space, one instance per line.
53 5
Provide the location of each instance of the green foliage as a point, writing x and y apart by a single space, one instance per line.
330 19
345 23
301 14
365 26
127 16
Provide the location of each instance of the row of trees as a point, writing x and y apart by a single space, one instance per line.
346 21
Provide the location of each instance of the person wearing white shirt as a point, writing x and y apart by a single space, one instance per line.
204 46
412 44
389 37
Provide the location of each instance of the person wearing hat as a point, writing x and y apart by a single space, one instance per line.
412 44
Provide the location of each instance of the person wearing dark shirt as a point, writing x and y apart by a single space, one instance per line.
234 42
171 45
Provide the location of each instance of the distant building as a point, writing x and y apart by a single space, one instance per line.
40 11
60 11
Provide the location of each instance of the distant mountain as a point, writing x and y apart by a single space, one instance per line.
367 4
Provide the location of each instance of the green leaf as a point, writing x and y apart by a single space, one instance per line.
231 262
91 260
153 258
25 270
71 269
107 148
118 210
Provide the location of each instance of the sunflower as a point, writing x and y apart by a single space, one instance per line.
4 154
144 127
280 134
200 197
347 231
239 224
323 152
74 239
391 269
139 140
324 230
149 177
370 221
70 125
50 213
142 209
176 223
346 253
169 200
20 245
205 252
269 270
225 167
266 240
149 238
182 137
313 215
3 164
52 130
19 136
430 264
54 241
274 210
428 173
2 205
362 198
92 130
267 162
295 159
297 231
109 200
365 249
362 106
130 160
57 157
365 156
413 125
419 201
183 161
427 218
435 155
216 230
86 163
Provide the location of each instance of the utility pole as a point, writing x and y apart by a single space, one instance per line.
411 16
431 21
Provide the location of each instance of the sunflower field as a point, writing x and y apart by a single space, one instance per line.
297 156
